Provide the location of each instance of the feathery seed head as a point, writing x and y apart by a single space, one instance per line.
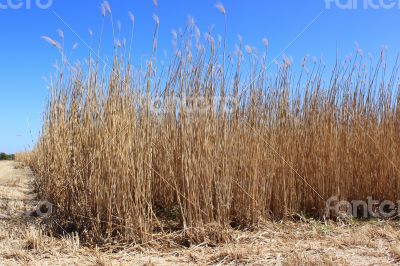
219 38
200 48
221 8
209 38
56 67
304 63
383 53
357 45
249 50
174 34
107 7
265 42
155 3
197 33
360 52
119 25
61 34
51 41
287 61
240 38
132 17
103 10
190 22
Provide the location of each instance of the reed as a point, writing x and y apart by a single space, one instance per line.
125 152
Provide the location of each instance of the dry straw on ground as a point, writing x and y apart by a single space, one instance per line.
202 143
25 241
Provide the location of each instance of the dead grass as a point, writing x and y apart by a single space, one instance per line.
25 240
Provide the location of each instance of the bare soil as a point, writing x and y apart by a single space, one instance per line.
23 241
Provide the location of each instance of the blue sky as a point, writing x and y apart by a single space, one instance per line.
25 59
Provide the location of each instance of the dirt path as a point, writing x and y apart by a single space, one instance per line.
22 241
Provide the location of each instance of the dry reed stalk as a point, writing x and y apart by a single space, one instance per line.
123 154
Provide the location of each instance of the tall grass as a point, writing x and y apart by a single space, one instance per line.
125 152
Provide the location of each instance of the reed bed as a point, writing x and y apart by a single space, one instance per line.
212 139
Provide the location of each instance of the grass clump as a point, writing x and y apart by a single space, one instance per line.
208 142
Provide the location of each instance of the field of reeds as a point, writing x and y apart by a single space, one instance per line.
212 139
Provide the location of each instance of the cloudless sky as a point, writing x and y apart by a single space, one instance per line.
25 59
